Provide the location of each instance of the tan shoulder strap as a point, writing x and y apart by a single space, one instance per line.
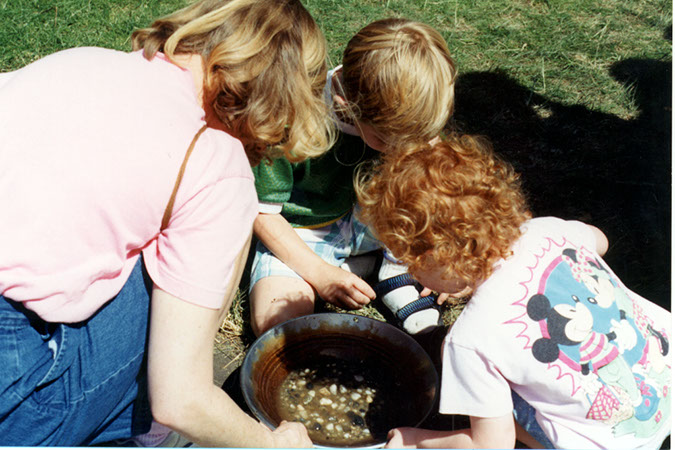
169 206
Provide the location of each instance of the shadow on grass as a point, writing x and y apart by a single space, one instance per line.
581 164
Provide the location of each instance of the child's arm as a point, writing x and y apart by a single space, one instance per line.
333 284
495 432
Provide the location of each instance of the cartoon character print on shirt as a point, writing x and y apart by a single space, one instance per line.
590 324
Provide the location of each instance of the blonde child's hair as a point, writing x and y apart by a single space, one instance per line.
264 63
399 78
453 204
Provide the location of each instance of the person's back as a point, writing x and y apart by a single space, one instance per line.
395 89
117 136
578 348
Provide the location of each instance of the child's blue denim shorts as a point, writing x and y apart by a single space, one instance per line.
524 414
75 384
333 243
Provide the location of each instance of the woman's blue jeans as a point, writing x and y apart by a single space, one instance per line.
76 384
525 415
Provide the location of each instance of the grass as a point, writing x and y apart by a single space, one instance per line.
556 85
558 49
35 28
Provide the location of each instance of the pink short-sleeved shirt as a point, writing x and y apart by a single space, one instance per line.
91 141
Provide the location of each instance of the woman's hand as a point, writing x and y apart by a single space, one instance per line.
291 435
340 287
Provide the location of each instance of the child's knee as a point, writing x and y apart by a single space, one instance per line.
274 301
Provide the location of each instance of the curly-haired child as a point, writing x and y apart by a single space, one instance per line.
551 349
394 90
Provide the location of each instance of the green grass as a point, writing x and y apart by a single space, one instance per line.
34 28
558 49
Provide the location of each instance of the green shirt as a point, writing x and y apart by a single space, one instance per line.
317 191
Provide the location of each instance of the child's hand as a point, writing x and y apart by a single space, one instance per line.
443 297
342 288
404 437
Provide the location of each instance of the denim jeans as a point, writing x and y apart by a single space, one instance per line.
524 414
76 384
333 243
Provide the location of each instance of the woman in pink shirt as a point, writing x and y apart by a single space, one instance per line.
113 267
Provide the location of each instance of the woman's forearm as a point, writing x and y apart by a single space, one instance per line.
180 375
211 418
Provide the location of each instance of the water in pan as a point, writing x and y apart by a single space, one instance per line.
342 403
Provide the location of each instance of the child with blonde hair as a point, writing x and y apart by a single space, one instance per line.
551 349
394 90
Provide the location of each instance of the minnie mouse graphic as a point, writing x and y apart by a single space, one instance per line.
588 323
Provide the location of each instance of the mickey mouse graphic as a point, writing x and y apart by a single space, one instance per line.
590 327
572 325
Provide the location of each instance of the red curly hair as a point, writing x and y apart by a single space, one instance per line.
454 203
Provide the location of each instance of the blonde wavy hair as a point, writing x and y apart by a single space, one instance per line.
398 76
264 63
453 204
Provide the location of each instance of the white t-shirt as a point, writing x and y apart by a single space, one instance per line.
557 326
91 141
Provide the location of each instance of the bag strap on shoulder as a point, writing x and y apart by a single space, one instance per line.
179 178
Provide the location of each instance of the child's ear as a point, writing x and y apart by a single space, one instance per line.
340 100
